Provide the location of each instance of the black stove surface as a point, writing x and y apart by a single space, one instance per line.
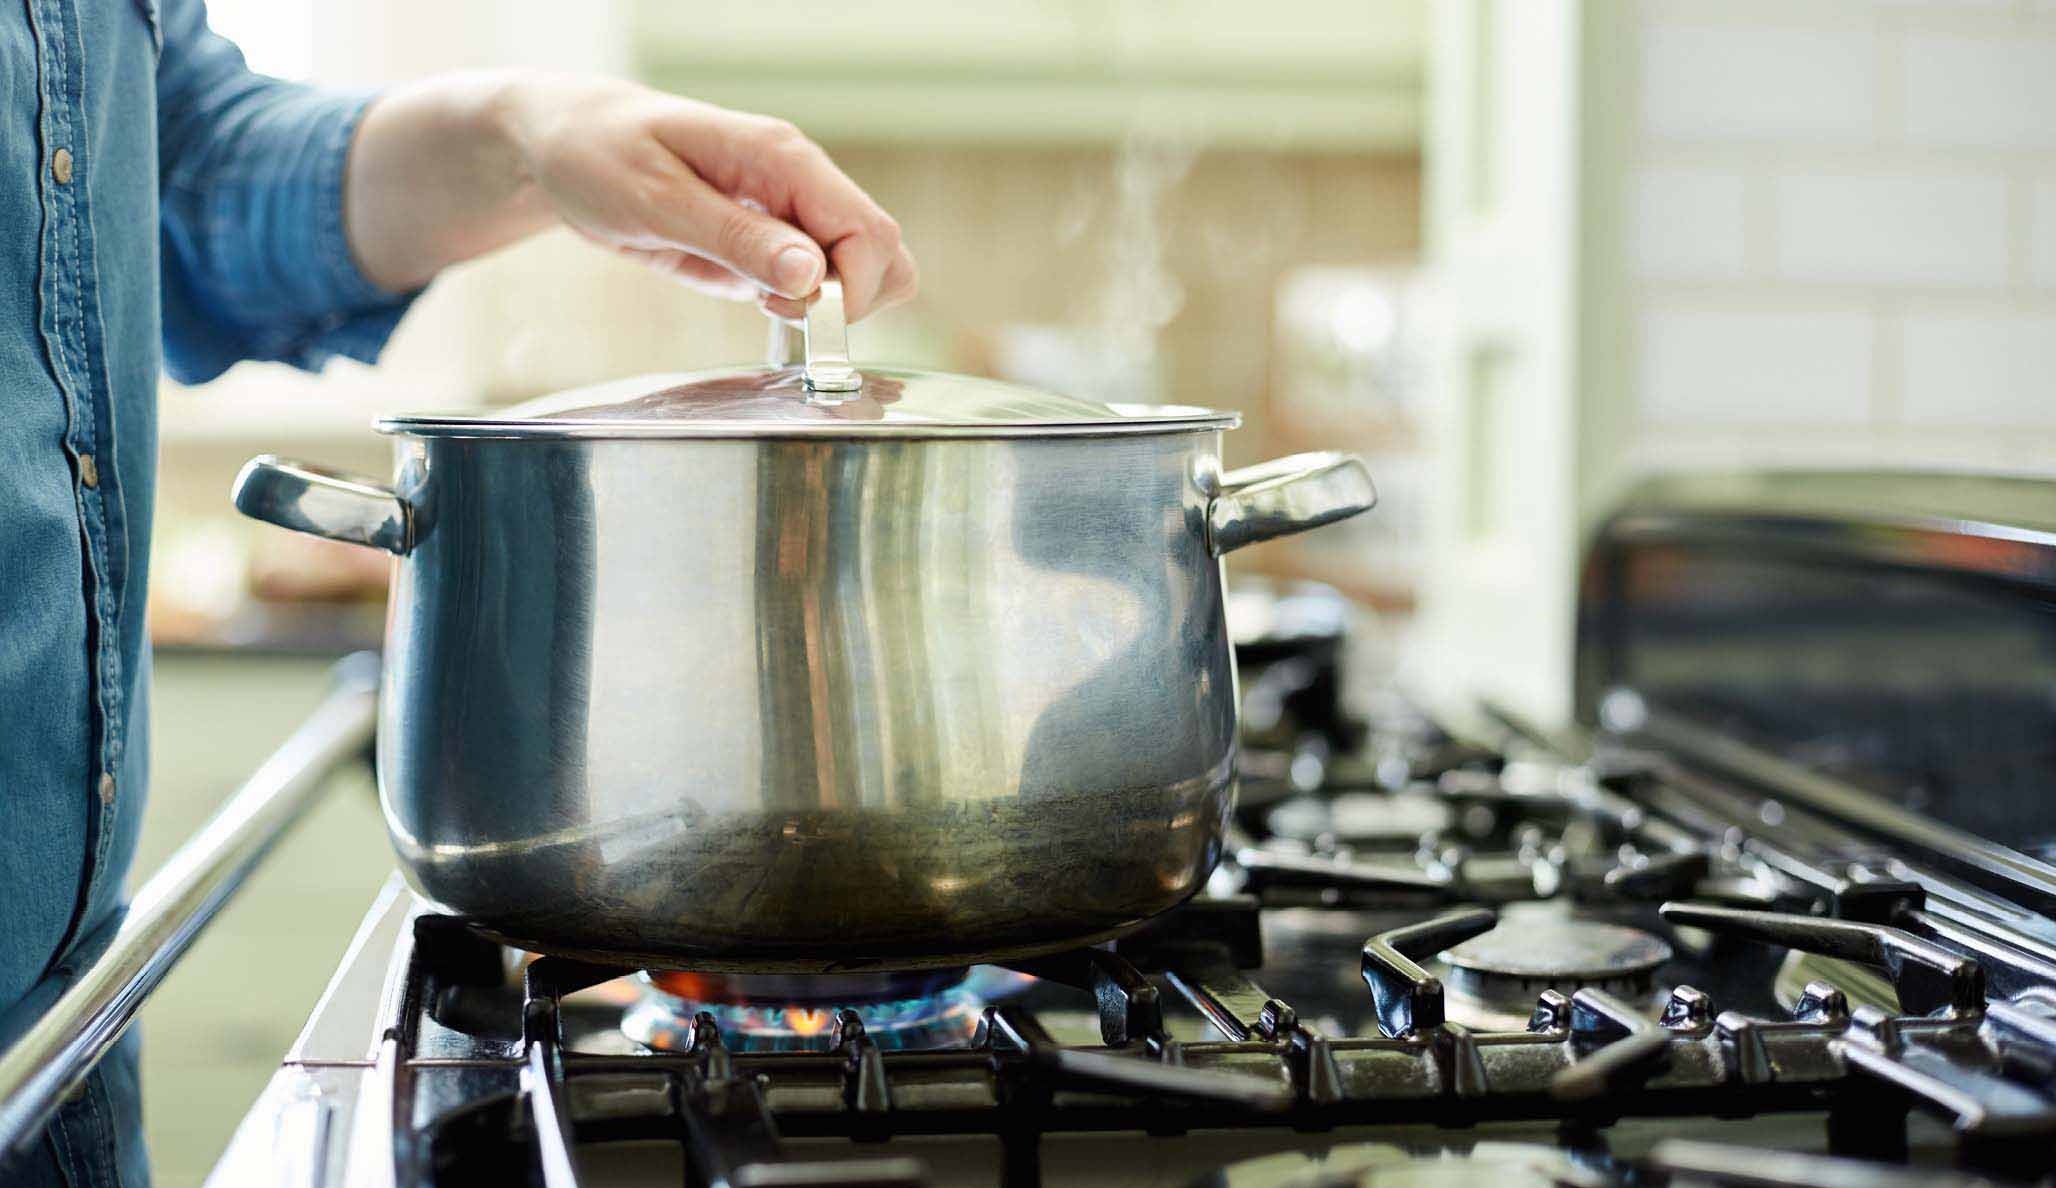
1609 972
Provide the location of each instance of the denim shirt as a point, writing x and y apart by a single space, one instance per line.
153 190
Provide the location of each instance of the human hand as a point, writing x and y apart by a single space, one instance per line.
737 205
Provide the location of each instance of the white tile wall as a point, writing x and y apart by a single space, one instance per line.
1711 82
1992 368
1785 366
1689 224
1841 242
1893 228
1997 92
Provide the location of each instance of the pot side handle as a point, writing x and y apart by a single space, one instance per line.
1287 495
324 503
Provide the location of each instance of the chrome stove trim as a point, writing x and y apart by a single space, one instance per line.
177 903
344 1028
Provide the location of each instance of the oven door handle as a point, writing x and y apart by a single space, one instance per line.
57 1050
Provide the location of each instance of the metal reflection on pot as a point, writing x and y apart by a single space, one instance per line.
692 672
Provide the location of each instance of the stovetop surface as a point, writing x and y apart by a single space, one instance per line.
1785 915
1432 959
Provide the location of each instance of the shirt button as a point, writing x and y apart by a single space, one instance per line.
107 789
89 470
60 166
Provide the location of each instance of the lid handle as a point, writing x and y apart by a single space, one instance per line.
824 345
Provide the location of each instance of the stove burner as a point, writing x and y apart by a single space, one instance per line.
1381 1165
803 989
1498 976
783 1013
1364 820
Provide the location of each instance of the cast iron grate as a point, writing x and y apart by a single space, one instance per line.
515 1100
1586 1059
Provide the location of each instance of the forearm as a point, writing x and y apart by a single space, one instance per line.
435 178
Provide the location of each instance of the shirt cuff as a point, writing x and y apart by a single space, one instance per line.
350 288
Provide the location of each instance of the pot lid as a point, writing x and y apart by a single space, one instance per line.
776 402
819 393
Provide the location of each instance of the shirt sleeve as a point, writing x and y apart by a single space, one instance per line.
250 178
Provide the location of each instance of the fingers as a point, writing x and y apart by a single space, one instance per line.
717 280
902 280
785 307
701 274
770 161
863 241
691 217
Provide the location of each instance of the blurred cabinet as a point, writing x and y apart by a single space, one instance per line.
1292 74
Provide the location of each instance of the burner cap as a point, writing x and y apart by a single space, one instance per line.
1362 819
1505 969
1583 951
1381 1165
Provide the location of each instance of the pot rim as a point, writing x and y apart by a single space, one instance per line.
573 431
950 412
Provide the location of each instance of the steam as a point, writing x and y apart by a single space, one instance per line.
1140 294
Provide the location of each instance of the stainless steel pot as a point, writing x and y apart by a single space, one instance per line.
806 669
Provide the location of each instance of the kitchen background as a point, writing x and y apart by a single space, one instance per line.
1513 251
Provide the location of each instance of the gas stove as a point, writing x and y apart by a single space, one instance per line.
1750 924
